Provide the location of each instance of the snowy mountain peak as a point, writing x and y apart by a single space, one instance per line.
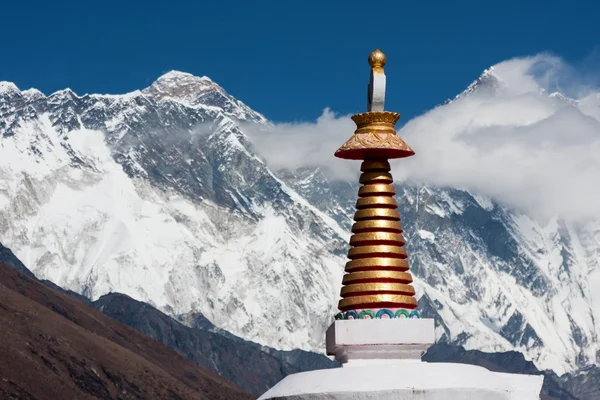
66 94
488 82
8 87
562 98
174 76
491 71
181 85
32 94
194 91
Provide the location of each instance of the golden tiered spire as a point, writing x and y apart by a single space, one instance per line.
377 282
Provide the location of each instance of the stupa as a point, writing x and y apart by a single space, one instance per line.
379 336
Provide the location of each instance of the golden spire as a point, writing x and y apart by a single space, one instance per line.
377 283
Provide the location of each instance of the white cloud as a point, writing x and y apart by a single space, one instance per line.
294 145
520 146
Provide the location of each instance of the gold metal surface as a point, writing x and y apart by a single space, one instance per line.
381 225
375 165
375 135
383 121
379 177
356 289
373 213
377 300
378 275
379 237
377 263
369 142
380 250
376 189
377 59
376 201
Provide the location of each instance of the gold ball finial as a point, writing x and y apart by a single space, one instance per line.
377 59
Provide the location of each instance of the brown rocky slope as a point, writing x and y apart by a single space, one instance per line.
55 347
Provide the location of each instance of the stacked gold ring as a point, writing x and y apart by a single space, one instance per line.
377 271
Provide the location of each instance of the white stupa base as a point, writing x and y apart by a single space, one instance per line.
381 359
368 341
409 380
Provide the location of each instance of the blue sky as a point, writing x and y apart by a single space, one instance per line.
286 59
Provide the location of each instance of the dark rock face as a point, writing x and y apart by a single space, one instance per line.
7 256
518 332
584 384
248 365
55 347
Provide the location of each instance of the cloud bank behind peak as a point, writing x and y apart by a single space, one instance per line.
532 142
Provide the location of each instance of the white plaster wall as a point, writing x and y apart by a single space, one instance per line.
403 381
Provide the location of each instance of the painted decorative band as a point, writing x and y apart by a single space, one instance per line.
378 314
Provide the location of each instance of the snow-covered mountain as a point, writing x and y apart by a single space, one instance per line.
157 194
160 195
